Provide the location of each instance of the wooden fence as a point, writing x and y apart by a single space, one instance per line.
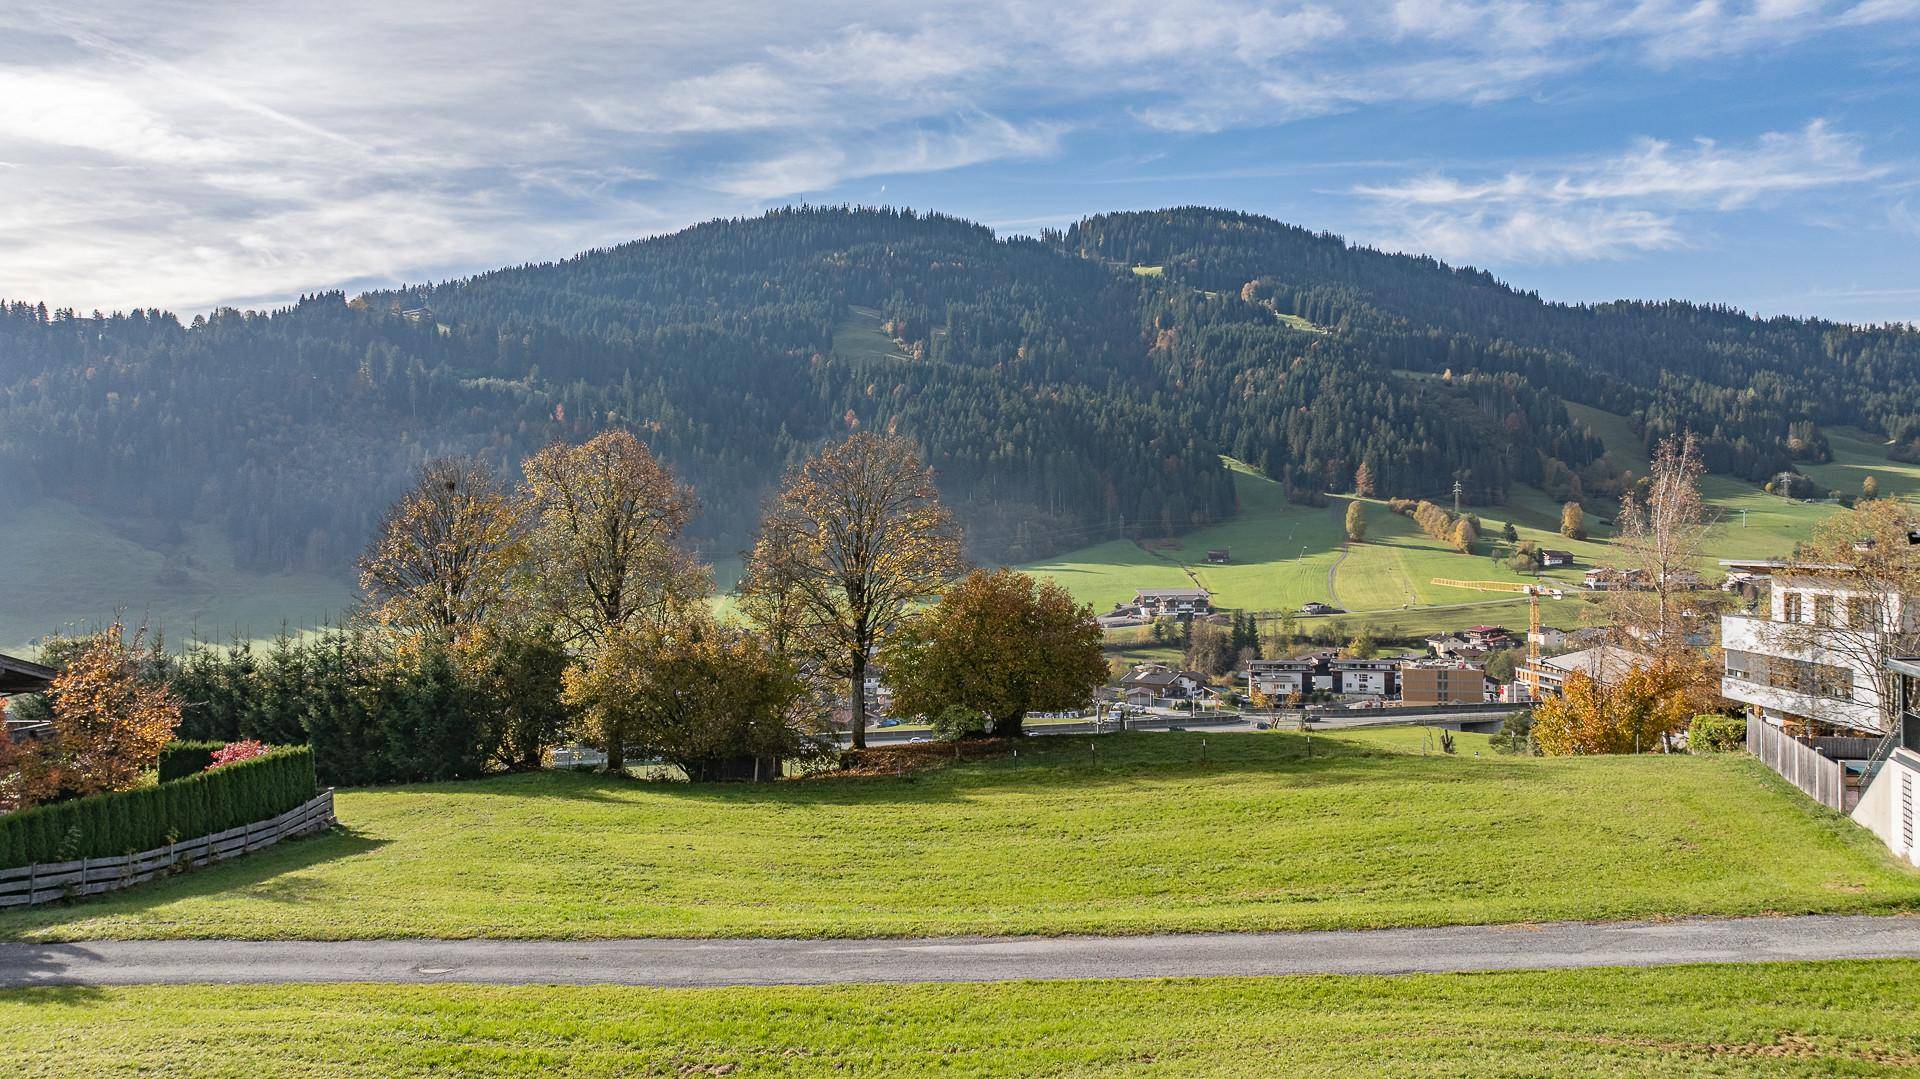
47 881
1823 780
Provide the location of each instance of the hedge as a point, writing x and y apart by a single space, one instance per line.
179 760
106 825
1716 734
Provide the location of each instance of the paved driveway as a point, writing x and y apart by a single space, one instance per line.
962 959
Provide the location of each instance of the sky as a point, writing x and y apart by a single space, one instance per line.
194 155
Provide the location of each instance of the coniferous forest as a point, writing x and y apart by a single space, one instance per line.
1062 397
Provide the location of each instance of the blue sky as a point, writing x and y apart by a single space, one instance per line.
1758 154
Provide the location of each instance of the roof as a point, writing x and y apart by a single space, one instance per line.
1599 663
1159 678
1174 593
22 676
1909 666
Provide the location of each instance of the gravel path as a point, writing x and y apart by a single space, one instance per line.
962 959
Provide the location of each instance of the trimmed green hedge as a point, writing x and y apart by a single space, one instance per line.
1716 734
106 825
179 760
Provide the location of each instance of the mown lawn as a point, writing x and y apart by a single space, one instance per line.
1123 834
1853 1018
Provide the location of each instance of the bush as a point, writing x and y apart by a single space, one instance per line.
1716 734
179 760
235 752
957 721
106 825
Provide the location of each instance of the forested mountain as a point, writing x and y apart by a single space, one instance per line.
1062 396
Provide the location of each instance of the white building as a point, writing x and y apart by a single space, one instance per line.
1805 663
1280 677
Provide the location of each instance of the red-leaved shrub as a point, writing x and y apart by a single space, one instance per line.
233 752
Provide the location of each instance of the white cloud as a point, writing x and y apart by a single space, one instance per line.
1611 207
194 154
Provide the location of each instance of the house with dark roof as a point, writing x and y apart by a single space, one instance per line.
1157 683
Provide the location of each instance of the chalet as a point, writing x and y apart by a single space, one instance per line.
1550 559
1173 602
1157 683
1220 556
1547 638
1609 579
1470 643
23 676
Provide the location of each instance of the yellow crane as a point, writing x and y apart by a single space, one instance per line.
1530 673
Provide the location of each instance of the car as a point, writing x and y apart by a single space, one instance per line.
917 741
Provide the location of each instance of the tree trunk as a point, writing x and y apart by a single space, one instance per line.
857 700
616 749
1011 726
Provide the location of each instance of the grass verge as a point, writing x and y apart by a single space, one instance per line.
1851 1018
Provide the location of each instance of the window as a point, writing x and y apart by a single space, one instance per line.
1790 607
1864 612
1822 609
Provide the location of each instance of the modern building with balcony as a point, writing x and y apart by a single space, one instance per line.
1809 664
1814 672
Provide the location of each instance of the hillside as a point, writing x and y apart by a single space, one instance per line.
1076 393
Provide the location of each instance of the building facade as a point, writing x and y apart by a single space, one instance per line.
1442 683
1807 662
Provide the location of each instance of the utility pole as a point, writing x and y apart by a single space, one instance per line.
1456 498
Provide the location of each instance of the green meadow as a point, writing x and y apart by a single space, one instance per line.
1128 833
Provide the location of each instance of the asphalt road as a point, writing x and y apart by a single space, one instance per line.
961 959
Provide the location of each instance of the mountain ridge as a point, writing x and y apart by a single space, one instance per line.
1058 394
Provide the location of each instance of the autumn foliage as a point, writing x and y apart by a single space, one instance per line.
109 721
1000 643
1640 711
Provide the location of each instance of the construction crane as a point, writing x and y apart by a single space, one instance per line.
1530 673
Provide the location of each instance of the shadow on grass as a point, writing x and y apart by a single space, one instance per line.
1088 762
270 874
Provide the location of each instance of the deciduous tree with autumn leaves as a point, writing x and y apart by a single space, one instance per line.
109 718
1000 643
854 540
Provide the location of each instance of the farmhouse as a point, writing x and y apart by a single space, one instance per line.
1550 559
1157 683
1608 579
1471 642
1173 602
1220 556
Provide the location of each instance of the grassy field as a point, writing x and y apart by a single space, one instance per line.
1854 1018
1135 832
79 570
1286 555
